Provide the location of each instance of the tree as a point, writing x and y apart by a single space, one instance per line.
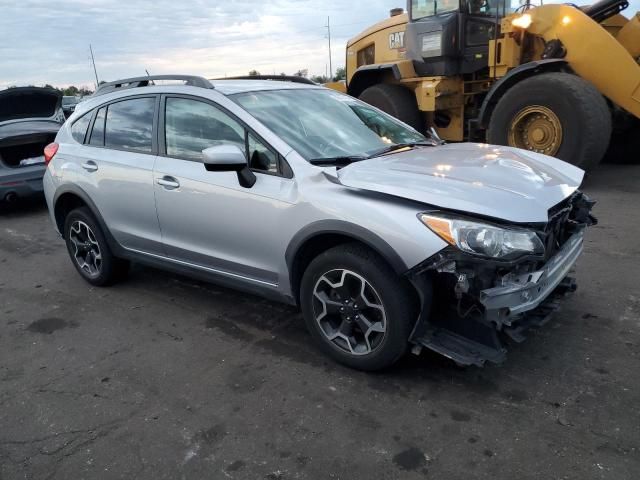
71 91
254 73
319 78
302 73
341 74
282 74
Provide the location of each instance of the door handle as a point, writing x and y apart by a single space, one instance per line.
169 183
90 166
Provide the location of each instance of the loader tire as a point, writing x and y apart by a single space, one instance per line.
558 114
395 100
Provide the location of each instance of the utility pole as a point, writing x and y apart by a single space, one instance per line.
93 62
328 25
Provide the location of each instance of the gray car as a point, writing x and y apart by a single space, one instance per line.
30 118
383 237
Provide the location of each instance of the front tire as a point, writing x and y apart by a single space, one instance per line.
557 114
395 100
356 308
89 250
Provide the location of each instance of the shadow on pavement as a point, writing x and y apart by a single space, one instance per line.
23 206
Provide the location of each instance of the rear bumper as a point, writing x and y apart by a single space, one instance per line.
21 182
524 292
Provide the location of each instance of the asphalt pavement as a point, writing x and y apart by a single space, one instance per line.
162 377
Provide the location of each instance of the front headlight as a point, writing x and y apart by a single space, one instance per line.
484 239
523 21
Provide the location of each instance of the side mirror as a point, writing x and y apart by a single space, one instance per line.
227 157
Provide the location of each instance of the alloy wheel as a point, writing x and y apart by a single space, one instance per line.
87 252
349 312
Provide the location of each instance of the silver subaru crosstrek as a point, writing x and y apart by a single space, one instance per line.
385 238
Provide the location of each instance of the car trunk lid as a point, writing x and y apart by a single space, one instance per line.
29 102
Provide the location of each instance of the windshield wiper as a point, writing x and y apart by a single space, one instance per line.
337 161
400 146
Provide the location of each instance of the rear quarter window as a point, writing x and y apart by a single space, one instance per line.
97 133
79 128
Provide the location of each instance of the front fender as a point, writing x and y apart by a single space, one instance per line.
368 75
515 75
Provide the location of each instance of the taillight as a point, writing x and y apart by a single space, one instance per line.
49 152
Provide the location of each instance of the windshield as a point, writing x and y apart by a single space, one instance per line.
322 123
428 8
493 8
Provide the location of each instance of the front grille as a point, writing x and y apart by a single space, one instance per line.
555 231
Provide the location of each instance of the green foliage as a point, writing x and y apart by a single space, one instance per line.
341 74
319 78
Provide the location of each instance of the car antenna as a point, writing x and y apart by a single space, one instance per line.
93 62
149 75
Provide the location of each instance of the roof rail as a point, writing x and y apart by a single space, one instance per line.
280 78
190 80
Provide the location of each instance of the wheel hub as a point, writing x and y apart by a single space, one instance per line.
536 128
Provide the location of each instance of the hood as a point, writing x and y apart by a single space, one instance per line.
501 182
29 102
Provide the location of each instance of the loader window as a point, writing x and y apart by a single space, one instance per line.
367 55
429 8
491 8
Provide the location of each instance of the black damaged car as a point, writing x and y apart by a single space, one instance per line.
30 118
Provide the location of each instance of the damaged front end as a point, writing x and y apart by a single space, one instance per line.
470 304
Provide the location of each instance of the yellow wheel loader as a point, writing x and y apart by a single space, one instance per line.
554 79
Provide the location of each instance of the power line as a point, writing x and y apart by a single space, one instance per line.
329 37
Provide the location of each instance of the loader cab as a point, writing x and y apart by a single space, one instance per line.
451 37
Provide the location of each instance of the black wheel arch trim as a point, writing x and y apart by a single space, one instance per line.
519 73
80 193
347 229
362 77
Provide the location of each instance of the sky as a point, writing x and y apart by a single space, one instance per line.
48 42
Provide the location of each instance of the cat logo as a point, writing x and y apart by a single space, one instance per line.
396 40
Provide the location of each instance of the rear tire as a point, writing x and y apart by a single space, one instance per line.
395 100
89 250
582 113
386 310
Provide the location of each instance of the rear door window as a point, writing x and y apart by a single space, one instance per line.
97 133
130 125
79 128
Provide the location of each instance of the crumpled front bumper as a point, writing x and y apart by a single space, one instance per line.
518 303
524 292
